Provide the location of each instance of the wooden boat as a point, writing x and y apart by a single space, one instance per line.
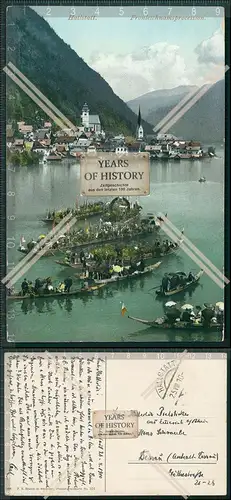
181 288
147 256
179 325
137 273
78 265
51 251
78 217
57 295
173 250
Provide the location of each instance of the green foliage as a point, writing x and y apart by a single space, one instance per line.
61 75
22 158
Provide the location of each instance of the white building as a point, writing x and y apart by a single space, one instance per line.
90 122
121 150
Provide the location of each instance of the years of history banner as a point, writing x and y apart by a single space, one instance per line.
117 175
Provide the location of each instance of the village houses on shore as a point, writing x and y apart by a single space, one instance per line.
90 137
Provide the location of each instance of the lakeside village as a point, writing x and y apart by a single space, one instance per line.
27 146
120 244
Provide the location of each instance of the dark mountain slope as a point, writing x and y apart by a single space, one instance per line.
159 98
205 121
60 74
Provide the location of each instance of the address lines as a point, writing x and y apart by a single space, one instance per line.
139 12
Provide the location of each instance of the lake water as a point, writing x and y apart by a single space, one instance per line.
175 189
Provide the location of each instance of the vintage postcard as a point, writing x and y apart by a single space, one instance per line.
115 424
115 173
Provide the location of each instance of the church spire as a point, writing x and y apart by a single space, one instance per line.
139 129
139 118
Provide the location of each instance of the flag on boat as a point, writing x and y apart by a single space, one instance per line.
123 309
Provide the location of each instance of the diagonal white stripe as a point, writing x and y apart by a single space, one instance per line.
42 96
193 257
186 108
37 256
191 103
44 241
176 108
195 249
34 98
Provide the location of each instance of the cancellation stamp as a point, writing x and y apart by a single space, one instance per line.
112 424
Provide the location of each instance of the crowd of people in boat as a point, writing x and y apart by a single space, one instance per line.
176 280
205 316
117 258
84 209
107 271
44 286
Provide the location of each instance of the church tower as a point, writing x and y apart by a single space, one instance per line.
139 130
85 116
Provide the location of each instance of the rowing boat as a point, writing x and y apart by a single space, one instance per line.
137 273
69 264
48 252
180 288
160 323
57 295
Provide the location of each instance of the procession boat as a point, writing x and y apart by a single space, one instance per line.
119 239
78 265
147 256
49 252
137 273
128 237
174 249
180 288
178 325
75 293
50 220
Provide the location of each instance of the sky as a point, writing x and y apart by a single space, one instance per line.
138 56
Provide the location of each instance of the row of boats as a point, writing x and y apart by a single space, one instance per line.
104 258
45 288
176 317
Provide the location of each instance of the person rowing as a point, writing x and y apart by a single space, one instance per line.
38 286
25 287
141 265
165 283
174 281
68 283
191 277
207 314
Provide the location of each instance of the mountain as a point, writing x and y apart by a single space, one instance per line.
59 73
159 98
204 121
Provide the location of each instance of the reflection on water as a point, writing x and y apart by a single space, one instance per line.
174 189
